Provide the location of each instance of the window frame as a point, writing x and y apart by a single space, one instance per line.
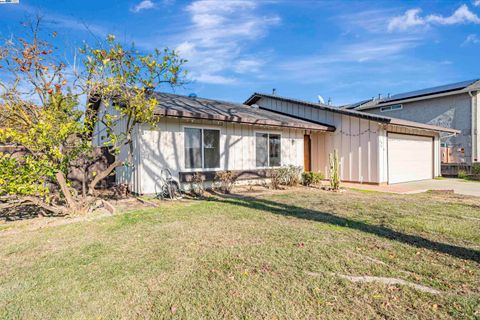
394 107
268 133
202 148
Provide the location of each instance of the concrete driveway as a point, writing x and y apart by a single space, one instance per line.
459 186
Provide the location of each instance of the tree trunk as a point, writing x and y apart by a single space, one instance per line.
102 175
84 181
130 149
63 185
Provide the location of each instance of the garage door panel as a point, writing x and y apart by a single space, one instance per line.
410 158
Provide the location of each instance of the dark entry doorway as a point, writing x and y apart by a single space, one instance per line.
307 153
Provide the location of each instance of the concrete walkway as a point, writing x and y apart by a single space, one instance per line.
459 186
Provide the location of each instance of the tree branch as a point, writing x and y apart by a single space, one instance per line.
63 185
102 175
14 202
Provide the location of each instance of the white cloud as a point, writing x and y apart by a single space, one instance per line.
412 19
406 21
143 5
209 6
248 65
214 79
348 59
471 39
461 15
476 3
373 21
216 40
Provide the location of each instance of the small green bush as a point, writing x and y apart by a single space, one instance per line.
309 178
476 169
28 176
462 174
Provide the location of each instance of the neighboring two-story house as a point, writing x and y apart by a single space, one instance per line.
452 106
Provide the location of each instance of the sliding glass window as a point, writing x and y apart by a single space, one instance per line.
202 148
268 150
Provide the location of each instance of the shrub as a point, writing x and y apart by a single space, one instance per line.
292 175
462 174
476 169
28 176
226 180
288 176
275 179
309 178
197 184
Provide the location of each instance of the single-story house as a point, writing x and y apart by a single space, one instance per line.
268 131
453 105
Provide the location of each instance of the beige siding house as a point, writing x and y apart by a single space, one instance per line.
362 141
207 136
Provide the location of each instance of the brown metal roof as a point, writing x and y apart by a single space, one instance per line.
178 106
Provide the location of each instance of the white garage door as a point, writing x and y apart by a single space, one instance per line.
410 158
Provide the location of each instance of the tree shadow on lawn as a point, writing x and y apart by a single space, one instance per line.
384 232
23 212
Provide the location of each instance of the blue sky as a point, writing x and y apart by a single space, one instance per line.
346 51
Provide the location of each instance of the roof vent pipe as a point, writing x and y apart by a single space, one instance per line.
274 91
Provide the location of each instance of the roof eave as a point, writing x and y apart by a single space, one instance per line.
410 124
380 119
242 120
421 97
354 113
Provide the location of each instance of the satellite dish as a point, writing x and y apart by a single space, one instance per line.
320 99
192 95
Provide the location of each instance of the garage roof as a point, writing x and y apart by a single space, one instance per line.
353 113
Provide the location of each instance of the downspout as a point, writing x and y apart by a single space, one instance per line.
474 131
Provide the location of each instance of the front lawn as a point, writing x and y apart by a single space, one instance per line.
287 255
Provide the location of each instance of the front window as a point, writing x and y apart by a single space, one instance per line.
202 148
268 150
